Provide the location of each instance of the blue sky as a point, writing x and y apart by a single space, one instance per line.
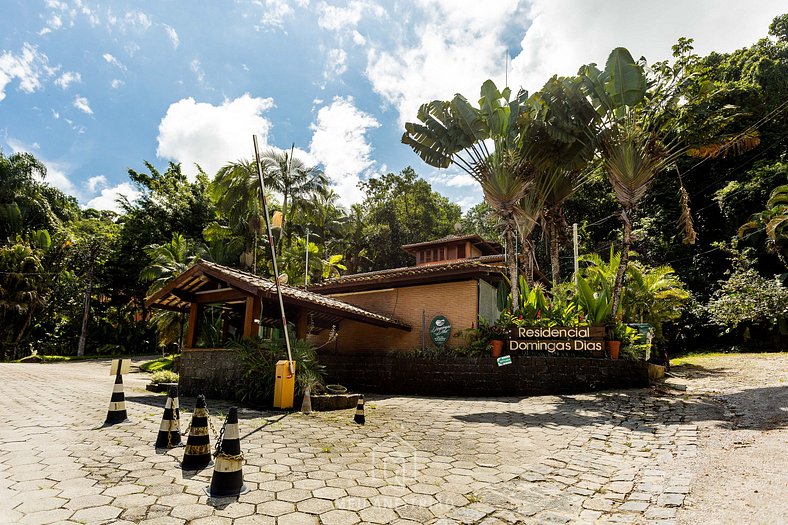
95 88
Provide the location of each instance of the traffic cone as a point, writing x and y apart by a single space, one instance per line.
228 477
197 454
170 430
117 404
359 417
306 404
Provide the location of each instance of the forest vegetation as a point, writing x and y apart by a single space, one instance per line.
679 166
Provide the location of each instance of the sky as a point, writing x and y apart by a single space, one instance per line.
95 88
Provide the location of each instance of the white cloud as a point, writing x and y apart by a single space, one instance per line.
339 142
96 183
336 18
211 136
456 49
56 172
136 20
458 45
30 68
116 83
566 34
108 198
82 104
275 13
336 63
196 68
453 180
173 35
68 78
114 61
468 202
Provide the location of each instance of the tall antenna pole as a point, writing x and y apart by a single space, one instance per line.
273 252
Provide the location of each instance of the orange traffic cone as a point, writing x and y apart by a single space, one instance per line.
170 430
197 454
228 477
117 404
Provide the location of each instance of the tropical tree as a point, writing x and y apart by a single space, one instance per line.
653 295
774 221
645 125
454 132
563 143
293 179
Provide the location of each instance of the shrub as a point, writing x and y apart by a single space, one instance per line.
749 299
259 357
164 376
163 363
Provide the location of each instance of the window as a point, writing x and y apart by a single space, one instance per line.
461 251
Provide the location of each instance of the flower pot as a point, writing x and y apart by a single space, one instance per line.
613 348
497 347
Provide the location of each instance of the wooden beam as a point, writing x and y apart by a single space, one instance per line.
194 317
218 296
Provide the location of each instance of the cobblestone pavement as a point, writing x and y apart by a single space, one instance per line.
610 457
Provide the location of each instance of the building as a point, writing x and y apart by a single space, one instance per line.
455 277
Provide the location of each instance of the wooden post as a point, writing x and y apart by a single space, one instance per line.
249 323
194 317
301 323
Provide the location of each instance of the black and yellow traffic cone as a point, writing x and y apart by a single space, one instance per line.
117 404
228 477
170 429
359 417
197 454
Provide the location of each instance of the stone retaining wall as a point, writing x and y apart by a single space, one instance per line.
457 376
215 373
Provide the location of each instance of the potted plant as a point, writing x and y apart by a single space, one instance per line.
619 334
497 333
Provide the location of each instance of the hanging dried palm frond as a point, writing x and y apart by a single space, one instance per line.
685 219
727 146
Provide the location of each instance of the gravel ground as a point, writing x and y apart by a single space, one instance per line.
741 471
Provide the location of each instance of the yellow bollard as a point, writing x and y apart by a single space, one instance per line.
284 386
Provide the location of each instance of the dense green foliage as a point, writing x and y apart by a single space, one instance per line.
712 161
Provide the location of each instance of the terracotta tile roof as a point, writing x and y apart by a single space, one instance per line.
189 281
428 274
476 239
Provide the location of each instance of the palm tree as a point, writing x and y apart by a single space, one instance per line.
564 143
168 260
654 295
236 191
774 221
645 125
456 133
289 176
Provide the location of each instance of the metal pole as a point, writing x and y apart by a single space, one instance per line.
273 253
306 270
574 241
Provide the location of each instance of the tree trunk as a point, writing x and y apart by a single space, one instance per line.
618 286
86 313
555 259
511 261
528 262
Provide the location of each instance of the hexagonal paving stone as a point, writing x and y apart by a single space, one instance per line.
33 504
298 518
339 517
256 519
192 511
97 514
275 508
329 493
378 515
293 495
236 510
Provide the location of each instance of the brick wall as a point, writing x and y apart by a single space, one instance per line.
482 376
458 301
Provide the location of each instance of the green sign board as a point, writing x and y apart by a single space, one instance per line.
440 330
504 360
